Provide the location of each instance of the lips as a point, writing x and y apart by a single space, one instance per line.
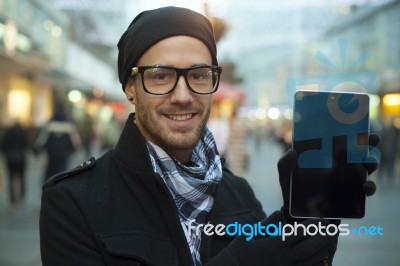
180 117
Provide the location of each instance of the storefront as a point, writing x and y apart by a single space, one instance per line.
22 96
390 107
31 47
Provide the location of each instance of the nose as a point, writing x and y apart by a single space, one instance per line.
181 94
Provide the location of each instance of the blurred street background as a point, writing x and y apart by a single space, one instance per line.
58 63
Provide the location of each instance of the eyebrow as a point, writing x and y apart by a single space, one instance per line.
194 65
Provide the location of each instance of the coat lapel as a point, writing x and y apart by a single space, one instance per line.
134 164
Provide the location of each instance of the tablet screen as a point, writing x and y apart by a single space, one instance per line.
330 135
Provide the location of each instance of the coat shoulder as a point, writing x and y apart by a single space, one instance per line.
83 167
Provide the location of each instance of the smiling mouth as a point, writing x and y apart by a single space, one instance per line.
180 117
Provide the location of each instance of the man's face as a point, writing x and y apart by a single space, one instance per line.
174 121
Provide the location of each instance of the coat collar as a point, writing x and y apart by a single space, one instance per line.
132 154
133 161
131 147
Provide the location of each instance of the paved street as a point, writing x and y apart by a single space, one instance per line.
19 226
19 236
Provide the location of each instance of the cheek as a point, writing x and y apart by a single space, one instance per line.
145 104
207 102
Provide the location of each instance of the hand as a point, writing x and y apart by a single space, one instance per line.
285 166
289 161
294 250
371 163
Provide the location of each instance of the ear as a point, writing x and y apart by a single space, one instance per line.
130 91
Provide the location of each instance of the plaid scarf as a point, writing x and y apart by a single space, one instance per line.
192 184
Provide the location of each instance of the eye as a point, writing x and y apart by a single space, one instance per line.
200 74
159 75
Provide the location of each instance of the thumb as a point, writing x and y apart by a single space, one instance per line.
369 188
285 167
274 218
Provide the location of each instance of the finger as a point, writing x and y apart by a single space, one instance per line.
335 221
369 188
322 257
287 162
285 166
373 139
371 164
314 248
300 229
274 218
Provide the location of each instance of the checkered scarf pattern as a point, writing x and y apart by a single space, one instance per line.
191 185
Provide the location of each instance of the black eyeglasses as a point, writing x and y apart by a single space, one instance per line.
160 80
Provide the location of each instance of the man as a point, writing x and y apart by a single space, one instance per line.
15 145
145 201
59 139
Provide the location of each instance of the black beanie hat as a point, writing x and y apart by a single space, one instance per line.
150 27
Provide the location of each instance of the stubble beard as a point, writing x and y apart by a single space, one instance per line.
169 140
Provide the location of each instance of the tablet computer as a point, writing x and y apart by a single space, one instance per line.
330 135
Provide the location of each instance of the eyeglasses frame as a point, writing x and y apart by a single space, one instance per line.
180 72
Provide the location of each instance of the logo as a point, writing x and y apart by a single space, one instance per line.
250 231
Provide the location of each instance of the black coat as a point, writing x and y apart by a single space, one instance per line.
15 144
117 211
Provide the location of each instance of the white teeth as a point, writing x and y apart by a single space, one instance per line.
180 117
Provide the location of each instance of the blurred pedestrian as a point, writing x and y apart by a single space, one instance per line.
87 133
110 133
237 156
15 145
59 139
220 128
389 151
